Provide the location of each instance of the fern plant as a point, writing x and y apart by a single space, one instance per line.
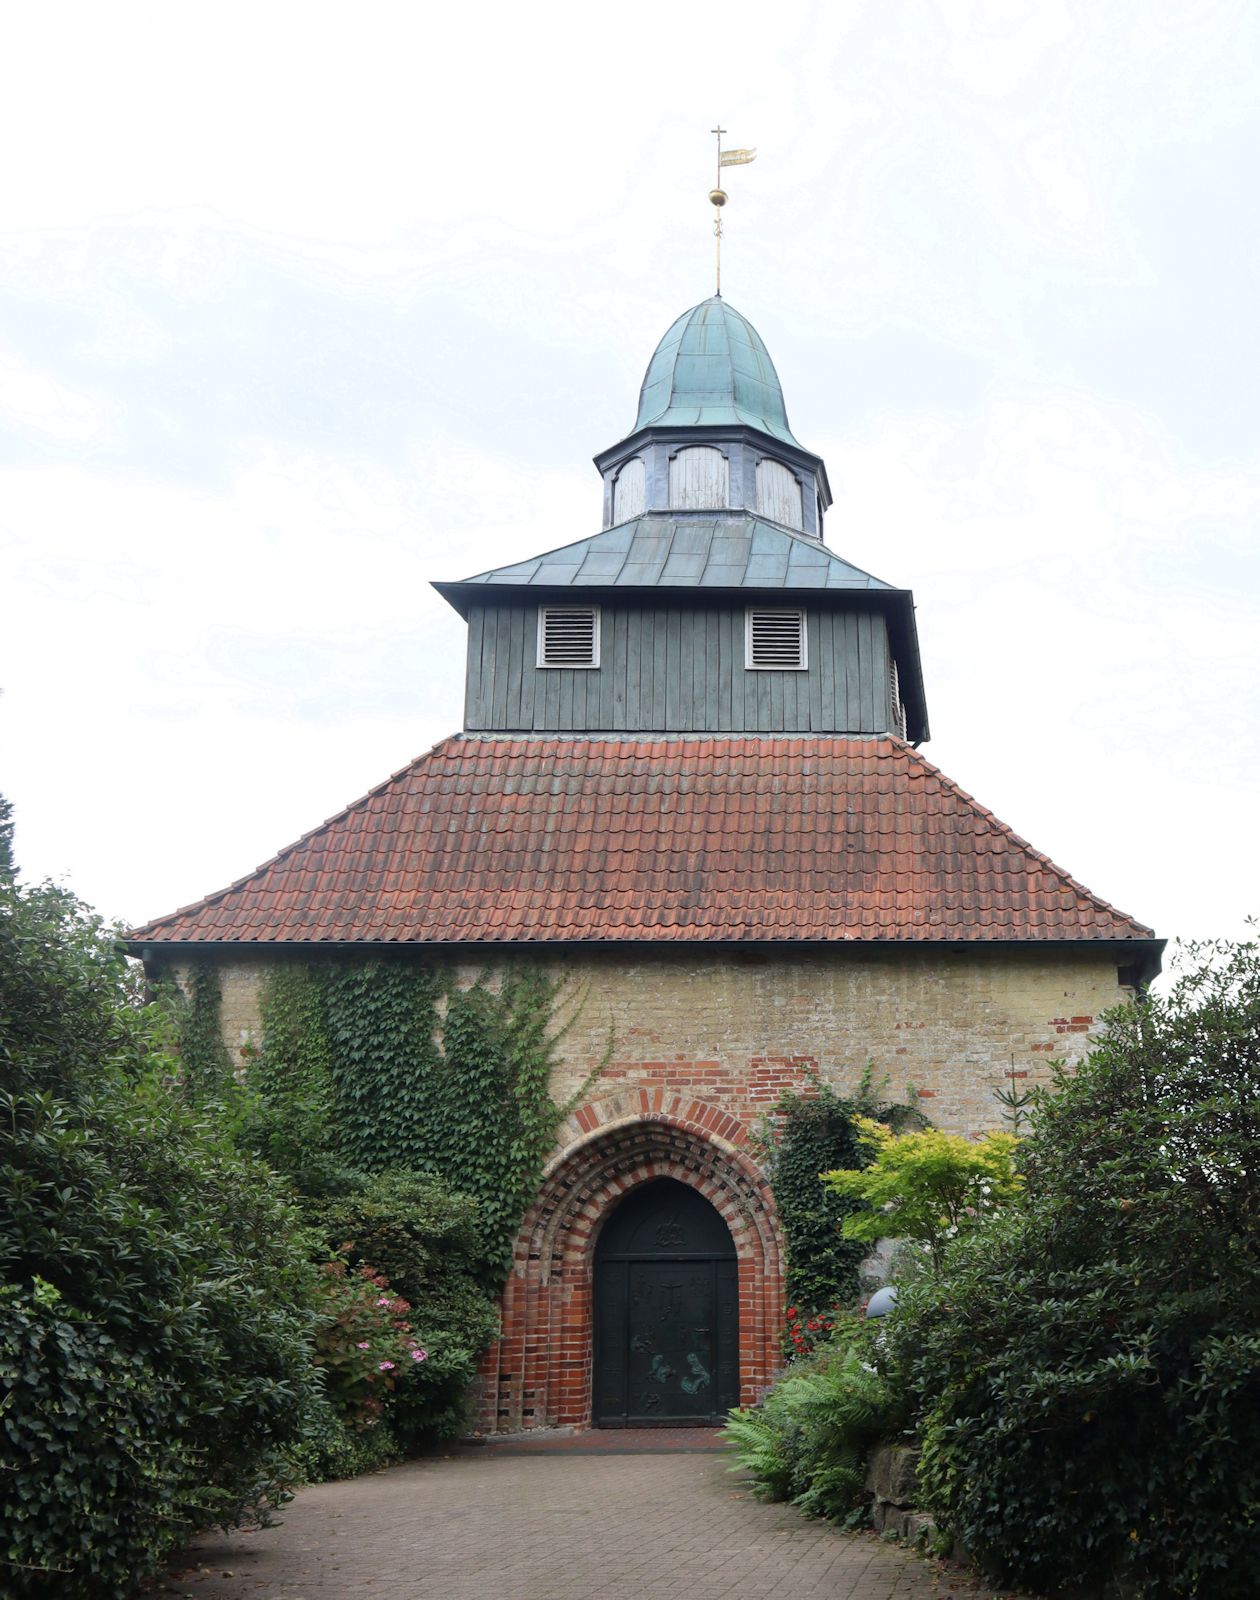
809 1439
760 1448
840 1410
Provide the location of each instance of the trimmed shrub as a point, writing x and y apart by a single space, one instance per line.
334 1448
365 1347
427 1243
89 1449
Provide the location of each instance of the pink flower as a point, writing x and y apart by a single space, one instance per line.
386 1366
383 1301
419 1355
364 1345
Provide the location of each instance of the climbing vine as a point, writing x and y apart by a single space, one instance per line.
196 1011
410 1116
809 1132
385 1065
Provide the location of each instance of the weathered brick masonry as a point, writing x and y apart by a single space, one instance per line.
737 1026
703 1044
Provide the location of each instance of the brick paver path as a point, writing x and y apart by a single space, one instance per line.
575 1523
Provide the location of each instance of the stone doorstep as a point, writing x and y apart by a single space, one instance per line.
522 1435
601 1441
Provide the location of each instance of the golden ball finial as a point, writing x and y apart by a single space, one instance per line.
718 196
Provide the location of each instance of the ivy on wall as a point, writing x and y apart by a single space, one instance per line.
196 1011
812 1131
410 1118
384 1065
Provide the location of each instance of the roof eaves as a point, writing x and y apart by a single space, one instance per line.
672 428
616 537
1144 952
895 602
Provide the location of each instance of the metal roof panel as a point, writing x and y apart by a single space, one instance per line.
655 549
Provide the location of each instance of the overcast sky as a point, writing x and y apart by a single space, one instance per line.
304 306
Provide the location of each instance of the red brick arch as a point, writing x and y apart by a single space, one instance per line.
539 1372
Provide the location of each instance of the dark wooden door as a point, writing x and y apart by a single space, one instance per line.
666 1312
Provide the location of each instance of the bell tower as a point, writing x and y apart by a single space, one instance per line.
712 432
709 602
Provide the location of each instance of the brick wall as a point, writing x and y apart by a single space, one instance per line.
739 1028
703 1043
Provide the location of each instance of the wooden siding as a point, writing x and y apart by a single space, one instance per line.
675 669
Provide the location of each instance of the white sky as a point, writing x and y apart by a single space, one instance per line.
302 306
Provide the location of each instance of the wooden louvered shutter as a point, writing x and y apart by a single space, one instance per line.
775 638
779 494
568 636
898 708
699 479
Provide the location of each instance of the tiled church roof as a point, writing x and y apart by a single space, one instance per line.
726 838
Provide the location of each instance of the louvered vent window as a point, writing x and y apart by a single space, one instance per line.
898 708
568 636
775 639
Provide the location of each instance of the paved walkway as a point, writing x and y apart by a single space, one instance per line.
499 1522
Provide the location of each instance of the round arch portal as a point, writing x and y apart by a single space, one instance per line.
541 1370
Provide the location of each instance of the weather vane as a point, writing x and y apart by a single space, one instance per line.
717 196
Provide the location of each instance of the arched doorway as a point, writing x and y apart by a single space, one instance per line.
666 1311
539 1372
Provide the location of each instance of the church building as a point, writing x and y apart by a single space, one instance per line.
690 780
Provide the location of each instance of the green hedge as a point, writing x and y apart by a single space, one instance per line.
155 1287
1087 1368
427 1241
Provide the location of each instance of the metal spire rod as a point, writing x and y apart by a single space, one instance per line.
717 195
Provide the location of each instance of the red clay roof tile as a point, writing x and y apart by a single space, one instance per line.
544 839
